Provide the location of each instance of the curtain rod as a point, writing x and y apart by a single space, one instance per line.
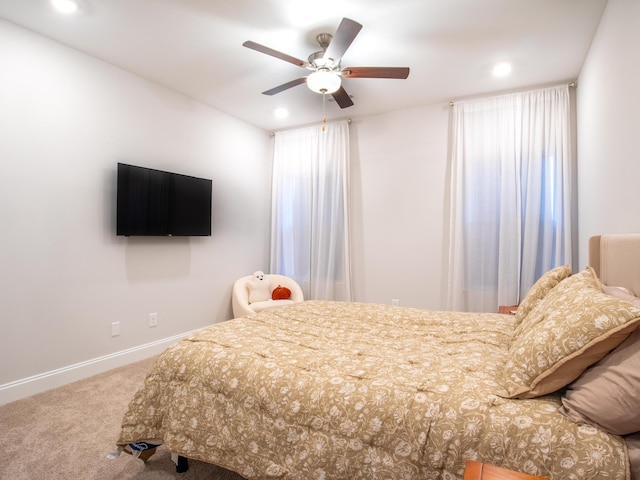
271 134
570 85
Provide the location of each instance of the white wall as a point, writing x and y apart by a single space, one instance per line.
66 119
608 108
398 182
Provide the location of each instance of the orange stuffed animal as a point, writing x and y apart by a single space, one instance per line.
280 293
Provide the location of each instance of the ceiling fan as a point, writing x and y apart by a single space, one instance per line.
326 73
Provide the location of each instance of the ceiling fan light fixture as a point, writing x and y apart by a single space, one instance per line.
324 81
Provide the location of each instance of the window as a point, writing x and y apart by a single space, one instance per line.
510 196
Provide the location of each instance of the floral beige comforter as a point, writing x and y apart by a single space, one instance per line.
331 390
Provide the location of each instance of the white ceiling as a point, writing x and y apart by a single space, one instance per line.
195 47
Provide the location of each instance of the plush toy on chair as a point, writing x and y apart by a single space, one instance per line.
259 288
260 291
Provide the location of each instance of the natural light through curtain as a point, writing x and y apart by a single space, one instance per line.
309 227
510 196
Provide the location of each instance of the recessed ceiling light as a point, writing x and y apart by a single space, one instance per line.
65 6
501 69
281 113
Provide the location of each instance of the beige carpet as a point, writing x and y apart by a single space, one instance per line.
67 433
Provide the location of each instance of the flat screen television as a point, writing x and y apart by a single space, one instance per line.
156 203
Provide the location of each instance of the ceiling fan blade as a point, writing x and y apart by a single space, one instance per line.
285 86
376 72
274 53
345 34
342 98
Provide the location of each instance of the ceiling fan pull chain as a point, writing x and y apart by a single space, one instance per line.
324 109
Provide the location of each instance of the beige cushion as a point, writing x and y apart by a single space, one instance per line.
540 289
571 328
608 394
621 293
259 306
259 291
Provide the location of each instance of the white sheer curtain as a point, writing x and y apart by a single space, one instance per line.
510 196
310 210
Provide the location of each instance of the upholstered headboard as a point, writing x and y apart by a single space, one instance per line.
616 260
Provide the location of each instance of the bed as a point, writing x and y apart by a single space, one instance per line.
338 390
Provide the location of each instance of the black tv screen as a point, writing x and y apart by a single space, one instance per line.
156 203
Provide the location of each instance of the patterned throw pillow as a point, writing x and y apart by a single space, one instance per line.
540 289
572 327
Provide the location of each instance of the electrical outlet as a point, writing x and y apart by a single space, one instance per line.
153 320
395 302
115 329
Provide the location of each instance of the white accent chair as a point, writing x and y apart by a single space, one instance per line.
240 294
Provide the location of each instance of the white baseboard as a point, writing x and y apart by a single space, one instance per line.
26 387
